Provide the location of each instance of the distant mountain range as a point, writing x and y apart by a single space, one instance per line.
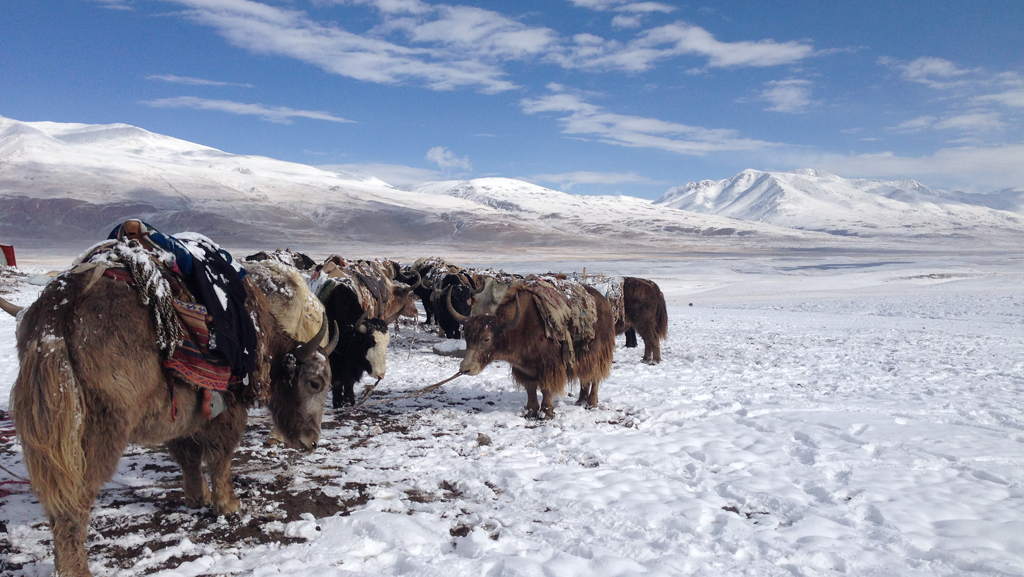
72 183
816 200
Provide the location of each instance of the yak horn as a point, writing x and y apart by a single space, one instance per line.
393 317
305 350
359 322
502 327
334 341
419 280
9 308
483 285
461 319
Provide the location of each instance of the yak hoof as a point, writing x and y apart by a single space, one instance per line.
194 502
231 506
344 400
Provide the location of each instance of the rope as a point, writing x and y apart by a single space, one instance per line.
20 480
366 392
412 395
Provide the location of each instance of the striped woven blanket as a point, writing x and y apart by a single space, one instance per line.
192 362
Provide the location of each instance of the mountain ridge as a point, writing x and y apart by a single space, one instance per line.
809 199
82 179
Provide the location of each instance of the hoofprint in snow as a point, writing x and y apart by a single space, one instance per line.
812 416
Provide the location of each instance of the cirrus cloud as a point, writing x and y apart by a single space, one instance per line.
580 118
278 114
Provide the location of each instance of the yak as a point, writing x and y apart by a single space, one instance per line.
645 312
91 382
362 299
363 344
516 333
456 291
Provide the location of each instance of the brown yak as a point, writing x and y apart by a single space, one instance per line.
91 382
515 333
645 313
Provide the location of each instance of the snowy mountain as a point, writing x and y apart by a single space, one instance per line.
810 199
69 184
74 182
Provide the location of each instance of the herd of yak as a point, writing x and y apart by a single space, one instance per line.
92 375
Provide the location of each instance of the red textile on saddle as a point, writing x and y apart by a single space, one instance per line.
192 362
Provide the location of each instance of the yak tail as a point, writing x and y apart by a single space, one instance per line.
49 416
661 318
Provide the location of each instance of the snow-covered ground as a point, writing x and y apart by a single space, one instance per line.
812 416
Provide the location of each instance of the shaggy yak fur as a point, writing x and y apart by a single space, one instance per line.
515 333
91 382
646 314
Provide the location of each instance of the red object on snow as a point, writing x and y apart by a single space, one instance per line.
9 254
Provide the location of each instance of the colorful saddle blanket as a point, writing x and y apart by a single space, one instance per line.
191 361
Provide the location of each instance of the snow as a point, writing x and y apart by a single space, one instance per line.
811 199
92 175
813 415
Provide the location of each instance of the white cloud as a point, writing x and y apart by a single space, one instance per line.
114 4
934 72
624 21
970 122
279 114
447 160
623 6
194 81
1010 98
477 31
973 169
915 125
646 7
393 174
580 118
265 29
793 96
567 180
675 40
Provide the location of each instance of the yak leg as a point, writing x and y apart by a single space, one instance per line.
221 437
530 384
652 349
591 398
547 405
70 529
343 382
188 454
584 393
103 450
631 338
69 533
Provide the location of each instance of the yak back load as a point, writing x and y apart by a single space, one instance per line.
196 296
568 311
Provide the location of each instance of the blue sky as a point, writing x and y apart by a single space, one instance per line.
587 96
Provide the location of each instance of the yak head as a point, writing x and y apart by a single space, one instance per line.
482 334
372 336
297 400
